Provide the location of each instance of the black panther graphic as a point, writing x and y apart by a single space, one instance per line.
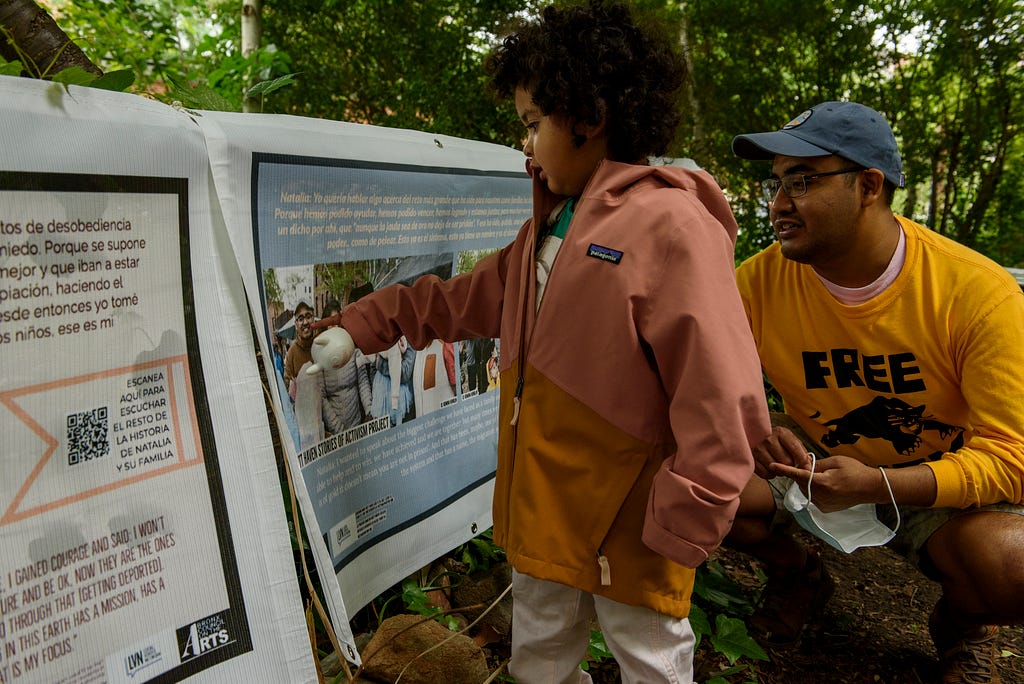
886 418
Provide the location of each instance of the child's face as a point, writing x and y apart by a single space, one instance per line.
565 167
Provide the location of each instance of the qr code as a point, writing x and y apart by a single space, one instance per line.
87 436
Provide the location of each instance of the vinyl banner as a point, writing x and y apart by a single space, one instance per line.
142 531
397 450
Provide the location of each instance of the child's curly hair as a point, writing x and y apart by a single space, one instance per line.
583 61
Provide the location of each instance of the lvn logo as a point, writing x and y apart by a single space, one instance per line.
141 659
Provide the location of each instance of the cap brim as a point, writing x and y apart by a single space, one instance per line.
763 146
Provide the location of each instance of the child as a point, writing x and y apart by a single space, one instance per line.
631 394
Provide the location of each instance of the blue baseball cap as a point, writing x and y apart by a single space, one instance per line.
847 129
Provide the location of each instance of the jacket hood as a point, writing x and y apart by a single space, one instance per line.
612 180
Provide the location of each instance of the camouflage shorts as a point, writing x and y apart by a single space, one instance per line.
917 524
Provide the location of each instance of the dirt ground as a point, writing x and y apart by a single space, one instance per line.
873 631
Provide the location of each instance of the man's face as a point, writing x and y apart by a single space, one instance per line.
303 324
818 227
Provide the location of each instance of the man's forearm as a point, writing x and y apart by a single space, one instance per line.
912 486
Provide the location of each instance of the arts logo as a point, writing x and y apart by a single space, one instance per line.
139 660
203 636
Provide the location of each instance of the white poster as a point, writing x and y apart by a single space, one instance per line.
397 452
142 533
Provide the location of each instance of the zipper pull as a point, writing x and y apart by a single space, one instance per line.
606 570
515 401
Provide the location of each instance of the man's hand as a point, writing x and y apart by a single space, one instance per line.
782 447
839 482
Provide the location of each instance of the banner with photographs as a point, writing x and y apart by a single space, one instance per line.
397 450
142 531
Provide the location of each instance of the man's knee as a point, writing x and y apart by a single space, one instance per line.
747 532
754 516
757 500
981 555
980 542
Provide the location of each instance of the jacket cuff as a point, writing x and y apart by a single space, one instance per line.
677 550
678 507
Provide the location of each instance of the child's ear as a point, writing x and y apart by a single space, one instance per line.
583 131
596 129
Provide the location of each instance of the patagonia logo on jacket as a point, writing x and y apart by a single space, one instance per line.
604 253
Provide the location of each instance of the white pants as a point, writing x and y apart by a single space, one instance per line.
551 632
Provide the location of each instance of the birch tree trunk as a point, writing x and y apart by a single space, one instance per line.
29 34
252 32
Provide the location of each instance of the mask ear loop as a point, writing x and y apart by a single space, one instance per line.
814 461
891 496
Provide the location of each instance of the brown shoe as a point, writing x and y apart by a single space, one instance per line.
789 601
967 656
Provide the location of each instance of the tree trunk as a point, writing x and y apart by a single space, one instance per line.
252 33
30 35
991 173
696 120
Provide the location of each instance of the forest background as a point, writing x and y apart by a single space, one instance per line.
947 74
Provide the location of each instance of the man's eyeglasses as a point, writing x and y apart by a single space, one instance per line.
795 184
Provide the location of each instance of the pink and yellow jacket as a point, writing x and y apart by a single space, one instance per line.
630 401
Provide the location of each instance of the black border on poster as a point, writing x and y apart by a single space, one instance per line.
259 158
345 559
235 616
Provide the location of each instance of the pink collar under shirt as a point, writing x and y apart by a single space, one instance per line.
858 295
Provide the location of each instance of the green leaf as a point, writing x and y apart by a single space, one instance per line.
55 95
734 670
119 80
598 649
74 76
200 96
12 68
720 598
713 584
732 641
267 87
699 622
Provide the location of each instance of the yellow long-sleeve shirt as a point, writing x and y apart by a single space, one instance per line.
930 370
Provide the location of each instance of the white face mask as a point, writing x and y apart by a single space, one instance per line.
848 529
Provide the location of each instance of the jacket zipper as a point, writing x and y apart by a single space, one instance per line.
602 560
519 393
516 398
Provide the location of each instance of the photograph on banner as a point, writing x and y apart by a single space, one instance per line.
116 558
390 438
331 402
